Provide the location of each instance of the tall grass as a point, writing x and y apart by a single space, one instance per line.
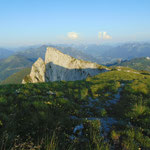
51 143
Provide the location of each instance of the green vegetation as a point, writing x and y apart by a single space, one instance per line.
137 63
13 64
16 78
108 111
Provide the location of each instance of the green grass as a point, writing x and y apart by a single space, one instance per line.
16 78
12 65
40 114
137 63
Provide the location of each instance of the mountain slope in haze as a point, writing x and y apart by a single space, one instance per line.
99 53
93 49
4 53
17 77
137 63
13 64
129 51
36 52
107 53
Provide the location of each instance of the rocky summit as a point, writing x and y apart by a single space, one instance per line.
59 66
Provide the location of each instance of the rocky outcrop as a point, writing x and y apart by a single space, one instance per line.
59 66
37 72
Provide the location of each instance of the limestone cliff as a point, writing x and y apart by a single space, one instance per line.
37 72
59 66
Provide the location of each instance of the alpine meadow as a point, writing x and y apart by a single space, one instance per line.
74 75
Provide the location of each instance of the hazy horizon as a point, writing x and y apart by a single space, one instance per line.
13 47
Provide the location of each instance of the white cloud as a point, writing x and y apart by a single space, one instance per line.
73 35
100 36
104 35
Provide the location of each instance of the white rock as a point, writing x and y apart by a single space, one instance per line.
59 66
37 72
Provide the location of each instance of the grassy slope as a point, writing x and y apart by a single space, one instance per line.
17 77
37 110
138 64
12 65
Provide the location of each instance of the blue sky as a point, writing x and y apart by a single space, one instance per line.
27 22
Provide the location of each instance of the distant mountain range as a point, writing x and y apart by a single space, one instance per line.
12 62
36 52
107 54
129 51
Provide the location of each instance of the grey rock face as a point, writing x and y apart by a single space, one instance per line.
37 72
59 66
